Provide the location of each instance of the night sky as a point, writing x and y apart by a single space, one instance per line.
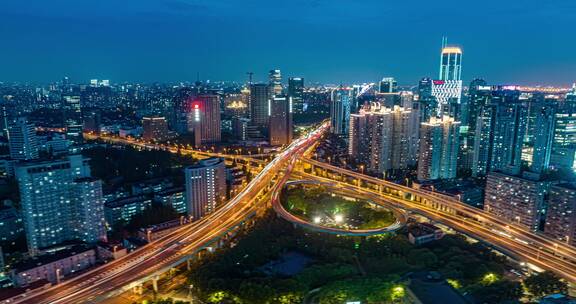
328 41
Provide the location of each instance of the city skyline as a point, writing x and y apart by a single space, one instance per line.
176 40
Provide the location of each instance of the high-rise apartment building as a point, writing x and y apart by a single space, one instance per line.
340 111
155 128
541 132
203 119
381 138
22 141
439 143
296 92
60 202
499 134
280 130
519 200
564 144
205 186
426 101
259 104
561 213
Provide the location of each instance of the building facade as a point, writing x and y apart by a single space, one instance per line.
516 199
205 187
259 104
438 153
155 128
296 92
340 102
381 137
280 129
204 119
22 141
60 202
561 213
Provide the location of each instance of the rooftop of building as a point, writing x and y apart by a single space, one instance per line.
119 202
208 162
431 288
51 257
421 229
170 191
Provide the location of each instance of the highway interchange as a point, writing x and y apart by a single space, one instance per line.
120 275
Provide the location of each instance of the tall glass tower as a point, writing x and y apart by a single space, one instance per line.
451 63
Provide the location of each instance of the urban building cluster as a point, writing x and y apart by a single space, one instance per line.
507 149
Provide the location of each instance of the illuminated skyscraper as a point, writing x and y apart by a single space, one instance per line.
499 134
542 133
296 92
448 88
23 142
564 145
387 85
438 153
275 78
259 104
204 119
340 111
205 186
450 63
280 130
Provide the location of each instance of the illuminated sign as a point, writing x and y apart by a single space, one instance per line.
438 82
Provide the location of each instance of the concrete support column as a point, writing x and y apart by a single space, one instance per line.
155 283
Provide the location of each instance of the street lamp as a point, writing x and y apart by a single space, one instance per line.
338 218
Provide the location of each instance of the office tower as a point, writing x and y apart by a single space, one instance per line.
448 88
519 200
205 186
22 140
500 130
178 118
561 213
438 153
155 128
60 202
259 104
296 92
340 111
280 130
479 95
204 119
427 102
387 85
240 127
275 79
73 118
541 133
92 121
381 138
564 144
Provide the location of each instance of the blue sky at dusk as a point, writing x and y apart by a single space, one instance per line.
328 41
